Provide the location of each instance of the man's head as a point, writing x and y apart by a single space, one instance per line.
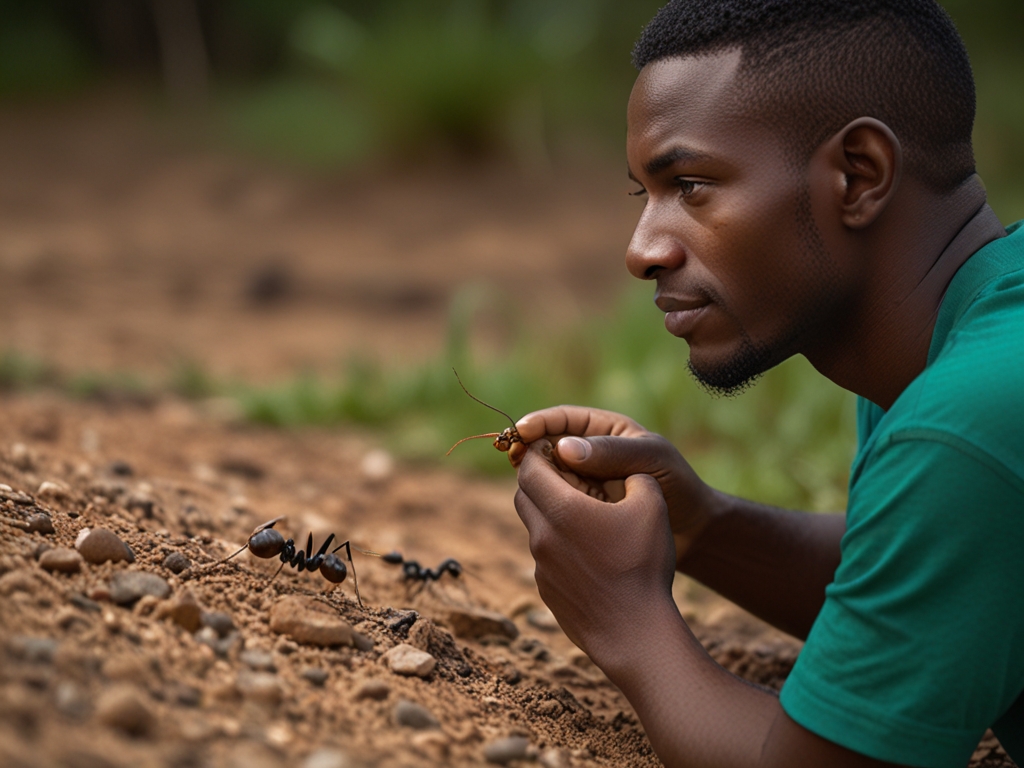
747 118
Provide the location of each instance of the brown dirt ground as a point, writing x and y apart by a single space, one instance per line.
124 247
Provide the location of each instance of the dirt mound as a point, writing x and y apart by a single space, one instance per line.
159 657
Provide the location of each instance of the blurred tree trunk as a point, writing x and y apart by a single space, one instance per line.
183 56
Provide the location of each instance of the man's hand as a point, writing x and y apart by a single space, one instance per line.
597 450
603 568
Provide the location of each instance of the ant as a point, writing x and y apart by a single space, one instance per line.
503 440
412 571
265 542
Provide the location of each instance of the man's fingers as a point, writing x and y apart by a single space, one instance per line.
607 458
574 420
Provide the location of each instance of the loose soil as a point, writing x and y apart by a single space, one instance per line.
124 247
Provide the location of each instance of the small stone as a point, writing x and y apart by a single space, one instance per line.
362 642
51 490
373 689
34 649
261 687
432 744
476 623
125 709
261 661
310 622
21 457
121 468
39 523
404 659
44 546
553 758
412 715
327 758
102 546
377 466
128 586
71 700
176 562
504 751
316 675
187 695
183 611
62 560
221 623
542 618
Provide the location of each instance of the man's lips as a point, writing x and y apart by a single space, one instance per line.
682 312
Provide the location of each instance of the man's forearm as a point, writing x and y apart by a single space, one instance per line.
773 562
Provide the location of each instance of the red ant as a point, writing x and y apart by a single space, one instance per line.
503 440
266 543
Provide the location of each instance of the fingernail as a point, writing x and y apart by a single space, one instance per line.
573 448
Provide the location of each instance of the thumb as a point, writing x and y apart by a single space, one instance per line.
608 457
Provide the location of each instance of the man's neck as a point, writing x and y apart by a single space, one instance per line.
883 345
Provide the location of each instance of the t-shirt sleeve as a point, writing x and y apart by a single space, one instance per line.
919 646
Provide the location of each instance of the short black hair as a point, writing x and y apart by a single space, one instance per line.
812 66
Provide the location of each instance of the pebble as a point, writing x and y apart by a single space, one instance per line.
261 661
33 649
307 621
51 490
327 758
316 675
552 758
261 687
476 623
61 559
184 611
71 701
21 457
176 562
44 546
542 618
120 468
39 523
221 623
125 709
100 546
374 689
412 715
128 586
404 659
377 466
504 751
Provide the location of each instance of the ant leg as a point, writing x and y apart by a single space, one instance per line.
355 579
279 568
219 562
323 547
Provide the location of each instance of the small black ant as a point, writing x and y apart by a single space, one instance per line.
265 542
503 440
412 571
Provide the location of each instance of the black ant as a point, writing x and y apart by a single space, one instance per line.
412 571
266 543
503 440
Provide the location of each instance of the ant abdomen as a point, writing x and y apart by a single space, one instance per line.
266 543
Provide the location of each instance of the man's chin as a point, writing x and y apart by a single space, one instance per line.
732 375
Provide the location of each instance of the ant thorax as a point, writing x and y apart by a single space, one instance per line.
503 442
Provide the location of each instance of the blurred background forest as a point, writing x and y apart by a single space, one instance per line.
366 116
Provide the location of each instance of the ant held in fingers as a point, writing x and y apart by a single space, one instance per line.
503 440
265 542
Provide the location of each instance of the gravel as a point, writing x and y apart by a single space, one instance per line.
412 715
101 546
128 586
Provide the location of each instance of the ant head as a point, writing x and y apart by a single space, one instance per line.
334 569
454 567
503 442
266 543
394 558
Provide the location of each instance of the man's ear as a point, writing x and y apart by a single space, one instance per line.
865 161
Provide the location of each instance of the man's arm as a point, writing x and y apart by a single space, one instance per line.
775 563
605 569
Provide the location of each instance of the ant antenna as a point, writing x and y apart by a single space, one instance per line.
481 403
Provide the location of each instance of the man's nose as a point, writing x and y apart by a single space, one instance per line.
653 247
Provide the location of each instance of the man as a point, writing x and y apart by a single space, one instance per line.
810 189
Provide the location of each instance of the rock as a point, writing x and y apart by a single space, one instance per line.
316 675
404 659
412 715
39 523
261 661
476 623
327 758
61 559
101 546
33 649
183 611
120 468
504 751
542 618
307 621
261 687
125 709
128 586
362 642
377 466
51 490
44 546
373 689
221 623
21 457
553 758
176 562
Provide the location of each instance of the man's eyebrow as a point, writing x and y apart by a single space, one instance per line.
671 157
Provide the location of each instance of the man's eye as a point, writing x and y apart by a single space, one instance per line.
688 187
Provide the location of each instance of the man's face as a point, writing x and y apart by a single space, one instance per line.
727 230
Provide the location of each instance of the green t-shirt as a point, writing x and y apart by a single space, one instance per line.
919 646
